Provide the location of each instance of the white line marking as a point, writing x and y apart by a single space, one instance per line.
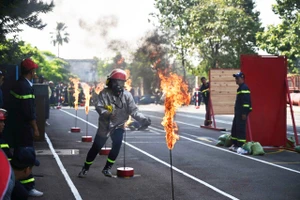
166 164
225 150
255 159
63 170
219 121
183 173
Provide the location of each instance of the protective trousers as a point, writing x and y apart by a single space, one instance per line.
238 130
207 109
116 137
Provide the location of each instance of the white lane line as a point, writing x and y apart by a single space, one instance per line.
183 173
219 121
166 164
63 169
225 150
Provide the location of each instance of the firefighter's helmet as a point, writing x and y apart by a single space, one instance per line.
3 114
118 74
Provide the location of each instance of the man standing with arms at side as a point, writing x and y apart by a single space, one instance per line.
23 109
204 89
242 108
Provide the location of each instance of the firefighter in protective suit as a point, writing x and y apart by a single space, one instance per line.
242 108
114 107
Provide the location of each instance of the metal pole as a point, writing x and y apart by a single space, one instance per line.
292 112
124 147
87 119
76 119
172 180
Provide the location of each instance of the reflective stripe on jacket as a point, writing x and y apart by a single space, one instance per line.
243 100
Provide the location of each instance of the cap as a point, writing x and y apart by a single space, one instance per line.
24 157
240 74
28 64
5 173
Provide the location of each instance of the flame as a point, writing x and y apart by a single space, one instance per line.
156 63
75 81
128 82
128 88
99 87
87 95
176 92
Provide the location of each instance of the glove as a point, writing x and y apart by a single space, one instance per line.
145 123
109 108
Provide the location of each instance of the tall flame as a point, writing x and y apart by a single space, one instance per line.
128 88
87 95
176 91
75 81
99 87
128 82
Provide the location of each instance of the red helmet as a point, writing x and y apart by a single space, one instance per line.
118 74
3 114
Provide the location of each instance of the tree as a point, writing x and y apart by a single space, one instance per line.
283 39
59 36
14 51
218 30
18 12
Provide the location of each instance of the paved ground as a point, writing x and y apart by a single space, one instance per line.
200 169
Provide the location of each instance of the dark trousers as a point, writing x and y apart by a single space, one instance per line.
238 130
207 109
19 192
116 137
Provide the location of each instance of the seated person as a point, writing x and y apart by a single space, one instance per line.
22 162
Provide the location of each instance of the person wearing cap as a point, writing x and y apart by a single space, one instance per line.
3 144
1 83
114 107
242 108
23 115
22 163
204 90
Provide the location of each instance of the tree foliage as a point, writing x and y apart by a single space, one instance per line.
59 36
13 52
283 39
218 30
14 13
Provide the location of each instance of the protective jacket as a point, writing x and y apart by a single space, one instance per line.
243 101
5 147
114 111
22 109
205 93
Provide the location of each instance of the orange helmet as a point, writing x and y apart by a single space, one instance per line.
3 114
118 74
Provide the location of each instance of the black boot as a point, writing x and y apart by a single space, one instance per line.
106 170
84 171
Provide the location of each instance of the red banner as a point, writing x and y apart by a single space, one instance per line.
265 76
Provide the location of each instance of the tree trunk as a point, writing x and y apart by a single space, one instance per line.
58 50
183 63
